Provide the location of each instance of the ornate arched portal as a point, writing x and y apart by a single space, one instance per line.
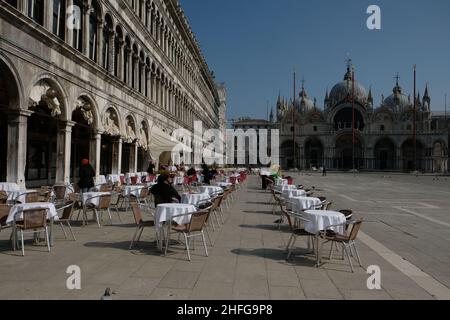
348 155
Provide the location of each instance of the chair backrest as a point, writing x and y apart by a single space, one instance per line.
144 193
284 211
47 196
32 197
136 212
198 220
104 202
67 210
355 229
122 180
134 180
60 192
226 192
322 199
347 213
217 202
3 196
34 218
76 188
106 187
4 212
328 205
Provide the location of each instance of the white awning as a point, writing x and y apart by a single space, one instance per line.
161 141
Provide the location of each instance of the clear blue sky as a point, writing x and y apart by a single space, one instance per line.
254 46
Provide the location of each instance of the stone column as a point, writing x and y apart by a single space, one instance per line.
117 156
63 153
17 147
86 13
136 71
23 6
143 77
69 32
100 42
111 51
48 15
121 60
134 158
130 68
94 151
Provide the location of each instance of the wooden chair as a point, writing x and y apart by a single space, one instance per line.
4 212
3 197
103 204
34 221
67 211
346 240
60 193
141 224
191 230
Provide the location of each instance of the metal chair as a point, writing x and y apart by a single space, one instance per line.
346 240
3 197
34 221
29 197
4 212
191 230
103 204
141 224
67 211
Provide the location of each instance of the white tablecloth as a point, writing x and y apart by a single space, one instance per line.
178 180
113 178
194 198
100 180
281 188
289 193
322 219
17 210
95 201
210 189
280 182
173 211
134 190
303 203
9 186
263 172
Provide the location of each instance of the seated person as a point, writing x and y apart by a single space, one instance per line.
191 172
163 191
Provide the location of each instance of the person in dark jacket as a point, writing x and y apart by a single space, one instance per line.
191 172
151 168
87 174
163 191
206 174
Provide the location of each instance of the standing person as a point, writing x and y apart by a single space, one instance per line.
151 168
87 174
324 171
206 174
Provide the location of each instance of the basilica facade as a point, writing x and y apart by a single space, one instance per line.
108 81
383 139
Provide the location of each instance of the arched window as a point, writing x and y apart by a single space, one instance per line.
59 18
106 41
36 10
117 47
12 3
93 30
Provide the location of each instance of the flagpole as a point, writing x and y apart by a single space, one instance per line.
353 118
414 122
293 125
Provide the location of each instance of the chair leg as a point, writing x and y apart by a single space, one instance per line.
289 242
64 231
349 258
187 246
209 238
71 232
109 214
204 244
140 234
134 237
46 239
357 254
331 251
97 217
290 248
23 246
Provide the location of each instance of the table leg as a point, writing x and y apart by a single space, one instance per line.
317 251
51 232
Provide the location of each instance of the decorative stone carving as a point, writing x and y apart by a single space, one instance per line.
131 131
86 110
143 138
43 92
110 123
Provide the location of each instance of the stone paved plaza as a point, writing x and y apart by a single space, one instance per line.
405 232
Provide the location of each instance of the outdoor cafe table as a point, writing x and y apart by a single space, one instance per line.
281 188
210 189
85 198
100 180
194 198
16 213
133 190
320 220
303 203
20 195
281 182
178 180
178 212
113 178
224 184
289 193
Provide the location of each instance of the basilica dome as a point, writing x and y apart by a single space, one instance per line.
343 91
397 101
